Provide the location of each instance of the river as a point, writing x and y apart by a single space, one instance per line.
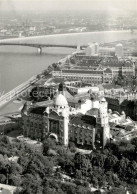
17 63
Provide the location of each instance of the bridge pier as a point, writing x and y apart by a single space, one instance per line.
39 50
78 47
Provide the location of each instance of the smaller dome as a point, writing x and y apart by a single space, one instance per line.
110 111
119 45
103 100
60 100
123 113
47 110
93 112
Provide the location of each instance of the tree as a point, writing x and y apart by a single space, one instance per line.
2 178
66 161
81 190
99 160
32 185
78 174
15 180
15 168
82 163
122 167
110 162
48 144
134 141
54 65
132 170
72 147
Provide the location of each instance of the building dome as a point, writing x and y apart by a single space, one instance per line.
123 113
110 111
60 100
103 100
47 110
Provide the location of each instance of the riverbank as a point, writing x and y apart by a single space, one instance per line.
22 63
11 101
82 38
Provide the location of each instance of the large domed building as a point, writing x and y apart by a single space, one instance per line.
82 119
60 101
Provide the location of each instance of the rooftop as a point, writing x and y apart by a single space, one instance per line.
83 120
82 71
38 110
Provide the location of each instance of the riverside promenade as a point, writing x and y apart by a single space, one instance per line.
16 92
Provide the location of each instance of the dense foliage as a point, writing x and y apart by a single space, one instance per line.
114 168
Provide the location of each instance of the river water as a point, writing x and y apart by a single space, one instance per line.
17 63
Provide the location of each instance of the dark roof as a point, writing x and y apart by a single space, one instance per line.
93 111
58 80
79 97
38 110
82 71
108 70
125 103
88 68
111 86
83 120
112 63
82 95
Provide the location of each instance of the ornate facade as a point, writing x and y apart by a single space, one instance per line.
66 123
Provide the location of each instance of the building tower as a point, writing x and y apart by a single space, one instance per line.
62 108
103 123
119 50
94 100
62 88
90 50
25 115
96 48
65 115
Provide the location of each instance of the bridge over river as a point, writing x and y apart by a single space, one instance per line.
71 40
60 40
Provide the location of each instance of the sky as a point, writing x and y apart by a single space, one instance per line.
44 5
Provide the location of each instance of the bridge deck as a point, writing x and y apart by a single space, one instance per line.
38 45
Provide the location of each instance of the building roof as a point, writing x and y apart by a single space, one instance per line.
125 102
82 71
79 97
108 70
112 63
83 120
60 100
67 94
111 86
38 110
93 112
